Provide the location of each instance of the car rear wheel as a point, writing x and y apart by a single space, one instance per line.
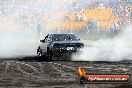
39 53
49 55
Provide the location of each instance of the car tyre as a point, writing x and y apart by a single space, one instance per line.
39 53
49 55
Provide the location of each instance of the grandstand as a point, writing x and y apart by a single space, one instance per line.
104 14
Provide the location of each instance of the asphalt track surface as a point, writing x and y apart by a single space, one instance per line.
29 72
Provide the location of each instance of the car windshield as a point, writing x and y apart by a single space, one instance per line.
65 37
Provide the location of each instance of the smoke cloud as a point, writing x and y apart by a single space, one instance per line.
17 44
18 22
115 49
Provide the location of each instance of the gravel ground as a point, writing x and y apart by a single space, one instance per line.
57 74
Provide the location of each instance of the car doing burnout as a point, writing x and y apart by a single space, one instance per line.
55 45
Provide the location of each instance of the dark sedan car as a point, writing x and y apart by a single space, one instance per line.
56 45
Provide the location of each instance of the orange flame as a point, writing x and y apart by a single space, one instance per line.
81 71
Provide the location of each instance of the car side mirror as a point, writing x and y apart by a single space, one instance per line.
42 41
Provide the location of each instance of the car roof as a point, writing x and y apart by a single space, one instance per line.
61 34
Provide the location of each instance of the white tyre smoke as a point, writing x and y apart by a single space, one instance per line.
116 49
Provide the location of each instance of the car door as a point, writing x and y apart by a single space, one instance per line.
49 40
44 44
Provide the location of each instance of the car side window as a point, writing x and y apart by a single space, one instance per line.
49 38
46 38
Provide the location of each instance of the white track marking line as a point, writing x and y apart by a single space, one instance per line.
65 66
5 69
41 68
19 68
32 67
63 73
2 63
7 66
27 72
8 63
